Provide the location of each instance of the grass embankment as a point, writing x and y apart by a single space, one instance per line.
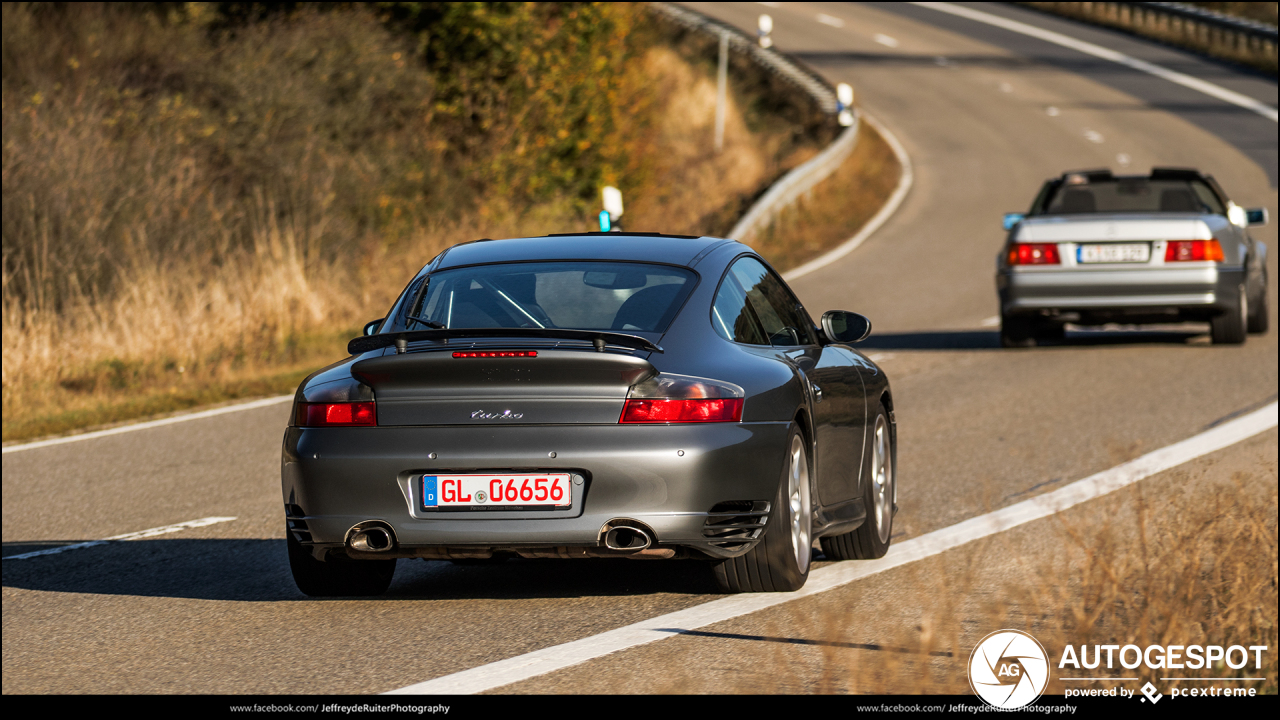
1126 17
1188 557
204 203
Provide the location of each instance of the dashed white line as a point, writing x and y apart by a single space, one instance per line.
540 662
1093 136
992 321
141 534
885 40
1172 76
153 423
832 21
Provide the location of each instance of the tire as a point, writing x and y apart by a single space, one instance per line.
1017 332
1229 327
1046 331
1259 320
871 539
338 576
780 560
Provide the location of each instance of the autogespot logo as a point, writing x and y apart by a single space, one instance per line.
1009 669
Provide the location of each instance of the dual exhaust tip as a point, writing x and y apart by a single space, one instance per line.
372 536
621 535
628 536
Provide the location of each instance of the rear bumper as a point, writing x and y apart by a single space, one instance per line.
1201 291
666 477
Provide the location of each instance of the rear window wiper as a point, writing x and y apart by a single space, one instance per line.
424 321
400 340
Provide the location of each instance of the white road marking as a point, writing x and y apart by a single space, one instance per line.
992 321
540 662
141 534
1093 136
880 357
1172 76
899 193
885 40
153 423
1123 159
832 21
1052 111
1006 87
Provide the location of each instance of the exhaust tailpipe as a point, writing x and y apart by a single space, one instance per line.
371 536
627 536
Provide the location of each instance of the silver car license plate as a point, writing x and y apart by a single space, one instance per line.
1114 253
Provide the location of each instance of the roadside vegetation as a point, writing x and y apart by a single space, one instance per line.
1188 557
204 201
1126 17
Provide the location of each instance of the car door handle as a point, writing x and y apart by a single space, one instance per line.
817 392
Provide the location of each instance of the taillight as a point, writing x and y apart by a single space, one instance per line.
336 414
668 398
1034 254
1192 250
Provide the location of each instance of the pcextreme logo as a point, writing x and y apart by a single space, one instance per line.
1008 669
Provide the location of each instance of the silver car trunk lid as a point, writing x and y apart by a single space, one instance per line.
555 387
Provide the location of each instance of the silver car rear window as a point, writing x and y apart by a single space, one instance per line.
622 297
1131 195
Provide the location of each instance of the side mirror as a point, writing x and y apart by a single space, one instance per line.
1257 217
1011 219
371 327
845 327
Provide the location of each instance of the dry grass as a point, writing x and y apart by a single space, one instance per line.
836 208
1187 558
1123 16
189 220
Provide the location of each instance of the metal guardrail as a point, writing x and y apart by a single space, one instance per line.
800 180
1178 22
777 63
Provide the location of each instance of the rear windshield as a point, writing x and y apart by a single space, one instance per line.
1128 195
622 297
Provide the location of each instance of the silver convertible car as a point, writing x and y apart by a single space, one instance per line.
1098 248
616 395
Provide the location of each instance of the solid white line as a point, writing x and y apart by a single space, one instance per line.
1172 76
539 662
150 424
899 194
127 536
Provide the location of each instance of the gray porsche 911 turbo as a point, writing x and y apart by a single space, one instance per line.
627 395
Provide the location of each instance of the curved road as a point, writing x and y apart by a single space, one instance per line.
986 115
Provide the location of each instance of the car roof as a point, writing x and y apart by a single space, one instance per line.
627 247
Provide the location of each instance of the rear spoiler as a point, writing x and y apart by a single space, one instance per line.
401 339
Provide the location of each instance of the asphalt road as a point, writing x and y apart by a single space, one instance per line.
213 609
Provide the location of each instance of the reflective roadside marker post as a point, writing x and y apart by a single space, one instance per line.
844 104
611 198
722 90
764 30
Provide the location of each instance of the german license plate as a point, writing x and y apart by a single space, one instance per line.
522 490
1114 253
